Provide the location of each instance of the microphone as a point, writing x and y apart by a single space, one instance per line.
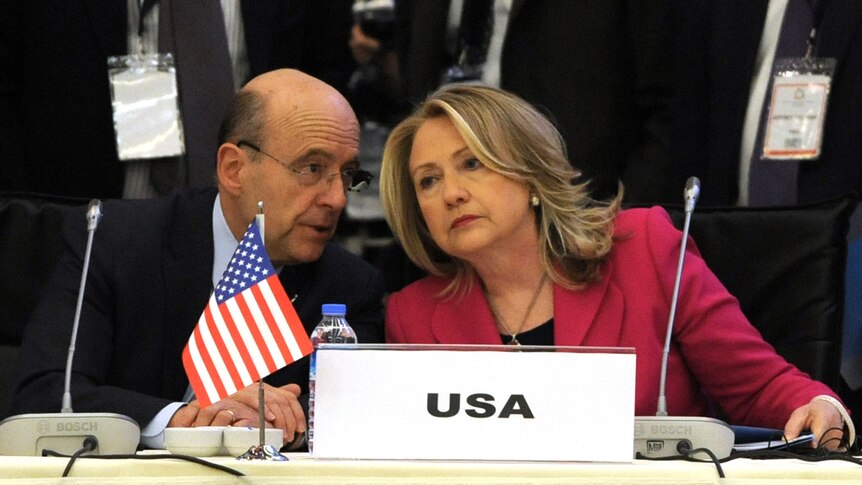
690 195
94 215
68 432
662 435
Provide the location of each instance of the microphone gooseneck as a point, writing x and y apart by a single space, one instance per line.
663 436
94 214
690 195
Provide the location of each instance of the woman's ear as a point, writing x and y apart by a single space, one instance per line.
230 161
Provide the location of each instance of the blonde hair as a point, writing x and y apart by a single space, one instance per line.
512 138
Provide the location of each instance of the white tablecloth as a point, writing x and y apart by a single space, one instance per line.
302 469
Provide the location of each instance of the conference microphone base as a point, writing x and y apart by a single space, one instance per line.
30 434
666 436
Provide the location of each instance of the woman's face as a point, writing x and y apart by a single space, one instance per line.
470 210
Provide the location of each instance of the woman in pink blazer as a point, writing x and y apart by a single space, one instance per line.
477 188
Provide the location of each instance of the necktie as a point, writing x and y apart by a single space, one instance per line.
773 182
195 33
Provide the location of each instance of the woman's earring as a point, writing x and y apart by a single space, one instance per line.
534 200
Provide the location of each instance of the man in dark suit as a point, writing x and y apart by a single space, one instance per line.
55 96
716 44
289 140
597 68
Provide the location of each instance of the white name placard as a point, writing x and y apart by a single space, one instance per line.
474 403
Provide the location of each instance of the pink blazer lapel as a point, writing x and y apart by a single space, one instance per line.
592 316
466 320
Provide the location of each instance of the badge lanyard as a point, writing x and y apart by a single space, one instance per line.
797 107
144 101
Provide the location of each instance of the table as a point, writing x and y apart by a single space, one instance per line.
302 469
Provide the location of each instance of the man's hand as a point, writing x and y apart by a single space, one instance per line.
281 410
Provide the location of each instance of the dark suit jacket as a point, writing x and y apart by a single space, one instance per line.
598 69
715 48
149 280
54 93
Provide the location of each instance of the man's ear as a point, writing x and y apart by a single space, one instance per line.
231 160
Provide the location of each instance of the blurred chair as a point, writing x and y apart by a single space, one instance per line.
29 249
851 365
786 266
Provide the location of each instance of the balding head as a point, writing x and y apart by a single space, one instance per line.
284 93
289 82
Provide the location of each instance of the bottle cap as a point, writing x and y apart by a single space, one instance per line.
334 309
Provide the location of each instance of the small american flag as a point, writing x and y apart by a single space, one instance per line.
248 329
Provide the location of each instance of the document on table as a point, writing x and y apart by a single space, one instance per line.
749 438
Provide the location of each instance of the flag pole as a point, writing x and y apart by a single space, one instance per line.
262 451
260 398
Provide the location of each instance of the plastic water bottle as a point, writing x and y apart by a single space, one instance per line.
332 329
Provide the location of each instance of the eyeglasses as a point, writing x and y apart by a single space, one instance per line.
311 173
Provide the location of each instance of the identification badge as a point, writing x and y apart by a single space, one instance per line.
145 106
797 109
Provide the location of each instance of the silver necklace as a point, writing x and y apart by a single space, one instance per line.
514 334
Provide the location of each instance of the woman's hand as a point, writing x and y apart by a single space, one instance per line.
822 418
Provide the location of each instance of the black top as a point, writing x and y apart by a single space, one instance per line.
541 335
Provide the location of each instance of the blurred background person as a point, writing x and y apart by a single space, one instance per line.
724 54
375 87
56 91
599 70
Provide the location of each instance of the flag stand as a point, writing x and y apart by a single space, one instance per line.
261 451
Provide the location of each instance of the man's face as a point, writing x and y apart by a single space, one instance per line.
298 179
